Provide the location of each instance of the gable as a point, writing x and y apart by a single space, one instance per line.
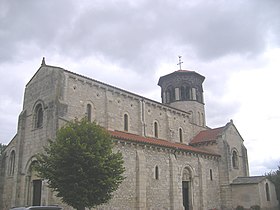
207 136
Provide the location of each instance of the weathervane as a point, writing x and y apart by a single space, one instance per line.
180 62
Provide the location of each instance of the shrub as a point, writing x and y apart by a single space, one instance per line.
256 207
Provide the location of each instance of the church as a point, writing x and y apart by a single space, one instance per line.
172 159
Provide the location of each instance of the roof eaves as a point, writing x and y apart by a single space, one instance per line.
159 142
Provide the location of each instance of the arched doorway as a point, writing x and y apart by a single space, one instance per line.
34 186
187 188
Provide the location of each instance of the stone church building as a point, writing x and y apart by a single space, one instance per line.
173 160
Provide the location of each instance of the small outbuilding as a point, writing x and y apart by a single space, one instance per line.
254 191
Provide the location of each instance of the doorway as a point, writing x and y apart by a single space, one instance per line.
37 189
185 189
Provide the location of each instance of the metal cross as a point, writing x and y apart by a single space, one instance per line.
180 62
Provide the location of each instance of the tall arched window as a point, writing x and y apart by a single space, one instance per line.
185 93
156 129
156 173
182 93
167 95
181 135
267 192
12 163
211 175
170 94
39 116
89 112
125 122
234 159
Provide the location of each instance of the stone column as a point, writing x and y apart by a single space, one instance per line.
140 180
176 202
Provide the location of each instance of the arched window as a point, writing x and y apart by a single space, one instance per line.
170 94
125 122
168 97
198 96
39 116
188 93
181 135
89 112
267 192
156 173
156 129
211 175
185 93
199 120
12 163
234 159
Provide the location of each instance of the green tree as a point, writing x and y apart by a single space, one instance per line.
2 147
81 166
274 176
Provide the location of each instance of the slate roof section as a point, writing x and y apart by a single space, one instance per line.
207 135
248 180
158 142
180 73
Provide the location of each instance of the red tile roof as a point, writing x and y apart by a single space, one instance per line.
207 135
159 142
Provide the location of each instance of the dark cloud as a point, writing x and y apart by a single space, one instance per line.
133 34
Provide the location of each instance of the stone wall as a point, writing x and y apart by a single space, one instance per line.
255 194
109 105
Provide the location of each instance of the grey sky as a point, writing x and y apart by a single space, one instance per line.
131 43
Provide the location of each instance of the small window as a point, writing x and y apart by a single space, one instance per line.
234 159
39 116
267 192
12 163
125 122
181 135
89 112
156 173
211 175
156 129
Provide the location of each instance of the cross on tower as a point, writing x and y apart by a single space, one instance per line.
180 62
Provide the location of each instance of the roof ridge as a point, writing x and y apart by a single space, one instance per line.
159 142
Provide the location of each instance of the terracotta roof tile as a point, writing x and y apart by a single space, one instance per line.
207 135
154 141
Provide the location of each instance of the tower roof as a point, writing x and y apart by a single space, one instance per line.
179 73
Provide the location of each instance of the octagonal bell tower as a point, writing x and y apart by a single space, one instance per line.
183 90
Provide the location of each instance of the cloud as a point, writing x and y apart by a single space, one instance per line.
137 35
130 44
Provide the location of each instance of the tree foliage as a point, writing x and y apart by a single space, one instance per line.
274 176
2 147
81 166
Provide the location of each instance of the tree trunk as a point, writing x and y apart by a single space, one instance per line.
81 208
